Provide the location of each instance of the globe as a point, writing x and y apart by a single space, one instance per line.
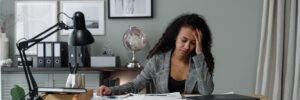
134 39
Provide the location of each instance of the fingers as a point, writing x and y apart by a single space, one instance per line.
199 34
101 91
198 38
195 35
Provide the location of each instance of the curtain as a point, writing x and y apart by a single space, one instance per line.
279 53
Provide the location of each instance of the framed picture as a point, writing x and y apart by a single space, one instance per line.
31 19
130 9
93 12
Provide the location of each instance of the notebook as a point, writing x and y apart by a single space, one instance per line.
222 97
61 90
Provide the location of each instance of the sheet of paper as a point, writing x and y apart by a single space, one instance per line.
119 97
167 96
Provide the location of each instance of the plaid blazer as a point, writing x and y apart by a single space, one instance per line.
157 69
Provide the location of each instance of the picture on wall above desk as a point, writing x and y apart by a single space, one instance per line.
31 19
130 9
93 13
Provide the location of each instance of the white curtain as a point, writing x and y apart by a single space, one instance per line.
279 54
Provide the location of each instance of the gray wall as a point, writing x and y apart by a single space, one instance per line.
235 25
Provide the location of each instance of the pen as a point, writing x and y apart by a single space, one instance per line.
128 94
70 68
112 97
76 68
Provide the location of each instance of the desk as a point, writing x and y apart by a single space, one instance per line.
168 96
83 96
261 97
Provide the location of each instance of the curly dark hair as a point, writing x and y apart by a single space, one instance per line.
168 39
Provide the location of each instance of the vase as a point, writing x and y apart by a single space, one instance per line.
3 46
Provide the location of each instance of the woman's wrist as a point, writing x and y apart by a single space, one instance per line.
199 52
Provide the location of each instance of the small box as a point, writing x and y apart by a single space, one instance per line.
29 62
104 61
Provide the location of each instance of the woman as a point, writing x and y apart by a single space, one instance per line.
180 62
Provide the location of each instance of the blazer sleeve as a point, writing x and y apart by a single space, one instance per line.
205 78
139 82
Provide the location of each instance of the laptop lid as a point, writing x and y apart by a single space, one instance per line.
222 97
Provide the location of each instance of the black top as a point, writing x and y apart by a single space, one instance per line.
176 86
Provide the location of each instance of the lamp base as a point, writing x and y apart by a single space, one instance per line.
134 64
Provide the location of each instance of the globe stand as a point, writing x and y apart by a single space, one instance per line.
133 64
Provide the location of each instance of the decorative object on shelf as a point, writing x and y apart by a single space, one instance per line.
107 51
31 19
134 39
130 9
93 11
75 81
4 48
6 63
79 37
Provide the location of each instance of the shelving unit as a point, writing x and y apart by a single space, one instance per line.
53 77
36 69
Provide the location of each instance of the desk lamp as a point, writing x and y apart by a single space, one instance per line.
79 37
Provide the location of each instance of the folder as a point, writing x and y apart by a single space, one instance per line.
48 54
60 57
40 54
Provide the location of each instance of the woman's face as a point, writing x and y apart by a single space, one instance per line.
185 41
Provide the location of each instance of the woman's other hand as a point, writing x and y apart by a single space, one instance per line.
198 37
103 90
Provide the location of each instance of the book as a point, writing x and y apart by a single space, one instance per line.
61 90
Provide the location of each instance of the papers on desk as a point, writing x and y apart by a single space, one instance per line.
167 96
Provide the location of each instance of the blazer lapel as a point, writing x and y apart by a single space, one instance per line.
191 78
165 73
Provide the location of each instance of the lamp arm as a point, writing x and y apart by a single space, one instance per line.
32 86
60 25
24 45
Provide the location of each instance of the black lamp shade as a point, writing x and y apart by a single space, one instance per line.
80 36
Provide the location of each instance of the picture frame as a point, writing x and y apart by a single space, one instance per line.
93 11
130 9
31 20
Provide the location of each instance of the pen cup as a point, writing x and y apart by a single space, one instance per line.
75 81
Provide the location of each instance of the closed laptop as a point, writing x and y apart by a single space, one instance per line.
222 97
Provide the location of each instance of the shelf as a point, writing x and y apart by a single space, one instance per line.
19 69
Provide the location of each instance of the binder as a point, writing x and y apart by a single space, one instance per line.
48 54
60 57
40 54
